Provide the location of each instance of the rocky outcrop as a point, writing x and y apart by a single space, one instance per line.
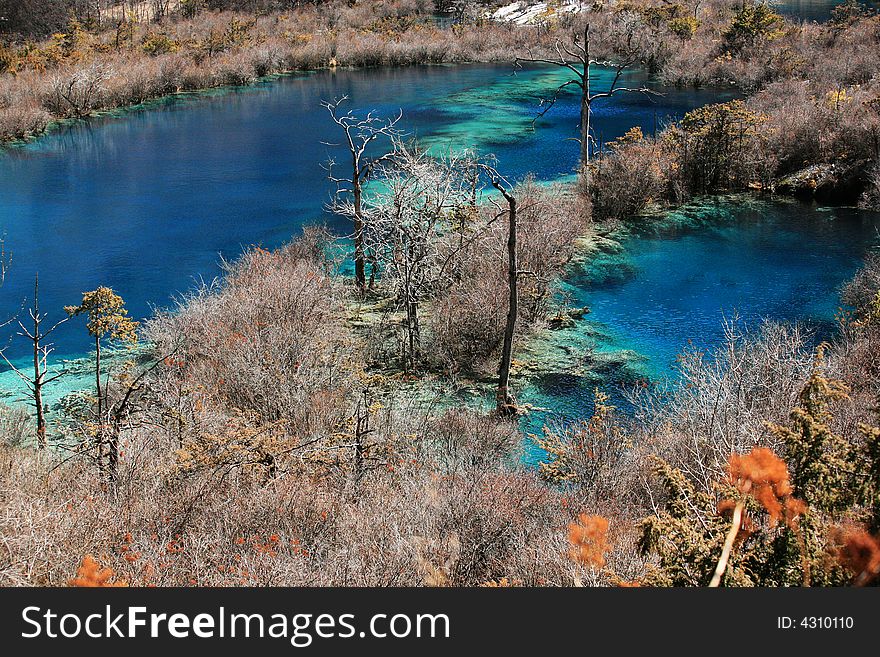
827 183
567 318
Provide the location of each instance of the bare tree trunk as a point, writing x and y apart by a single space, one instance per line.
576 58
504 400
585 111
41 350
361 430
98 378
99 431
38 370
360 275
113 455
359 133
412 322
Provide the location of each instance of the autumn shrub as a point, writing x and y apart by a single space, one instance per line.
726 520
717 147
590 458
809 124
823 489
725 398
90 574
628 177
157 43
754 21
691 534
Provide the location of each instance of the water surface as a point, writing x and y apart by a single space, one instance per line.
671 288
147 201
812 10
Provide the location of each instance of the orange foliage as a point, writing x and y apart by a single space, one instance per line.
764 476
90 574
860 553
589 539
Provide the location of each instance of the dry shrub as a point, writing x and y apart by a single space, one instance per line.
870 199
21 114
467 320
810 122
442 509
861 290
250 462
268 342
15 425
593 459
725 399
629 177
462 440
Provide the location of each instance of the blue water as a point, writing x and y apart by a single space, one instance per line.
671 288
147 201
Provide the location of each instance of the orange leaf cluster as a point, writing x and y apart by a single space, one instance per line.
125 549
860 553
589 540
764 476
90 574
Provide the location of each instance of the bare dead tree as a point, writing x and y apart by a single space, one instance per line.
360 133
123 412
409 226
129 401
505 403
41 349
576 57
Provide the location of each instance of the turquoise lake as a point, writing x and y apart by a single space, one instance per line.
671 288
148 200
813 10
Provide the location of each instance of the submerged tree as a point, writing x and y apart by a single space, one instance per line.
360 133
41 377
576 57
5 260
